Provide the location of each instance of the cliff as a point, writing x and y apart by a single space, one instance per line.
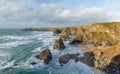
98 34
103 42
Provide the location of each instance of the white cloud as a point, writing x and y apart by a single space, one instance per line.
13 13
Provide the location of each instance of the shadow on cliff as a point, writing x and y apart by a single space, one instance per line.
114 66
88 58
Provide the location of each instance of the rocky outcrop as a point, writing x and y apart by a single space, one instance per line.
114 66
46 56
57 31
65 32
59 45
88 58
104 58
65 58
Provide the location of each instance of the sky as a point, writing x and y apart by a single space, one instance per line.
57 13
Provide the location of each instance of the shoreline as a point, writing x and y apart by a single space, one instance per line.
101 42
96 71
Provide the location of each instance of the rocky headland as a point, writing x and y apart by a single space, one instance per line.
101 40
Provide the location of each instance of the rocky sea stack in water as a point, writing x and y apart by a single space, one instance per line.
59 45
46 56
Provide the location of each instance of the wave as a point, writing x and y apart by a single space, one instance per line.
11 37
44 40
7 65
4 57
41 35
13 44
47 41
34 35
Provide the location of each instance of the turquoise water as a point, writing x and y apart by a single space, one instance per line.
18 49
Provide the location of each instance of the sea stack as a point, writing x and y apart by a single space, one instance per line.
59 45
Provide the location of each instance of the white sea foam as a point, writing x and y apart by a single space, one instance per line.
8 64
10 37
37 49
13 44
47 41
3 59
41 35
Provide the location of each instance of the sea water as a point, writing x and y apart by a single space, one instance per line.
19 48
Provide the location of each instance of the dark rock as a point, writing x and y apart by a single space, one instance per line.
114 66
33 63
75 42
59 44
56 31
88 58
65 58
46 56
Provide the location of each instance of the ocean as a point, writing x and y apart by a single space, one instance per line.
19 48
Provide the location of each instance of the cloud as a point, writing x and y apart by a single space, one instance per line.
24 13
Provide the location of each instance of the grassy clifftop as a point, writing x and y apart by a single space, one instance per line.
98 33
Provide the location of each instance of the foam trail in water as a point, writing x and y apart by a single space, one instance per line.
8 64
4 56
13 44
10 37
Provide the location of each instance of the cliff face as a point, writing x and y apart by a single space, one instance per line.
103 42
104 55
99 33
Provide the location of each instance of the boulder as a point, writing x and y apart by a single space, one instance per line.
46 56
59 45
65 58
